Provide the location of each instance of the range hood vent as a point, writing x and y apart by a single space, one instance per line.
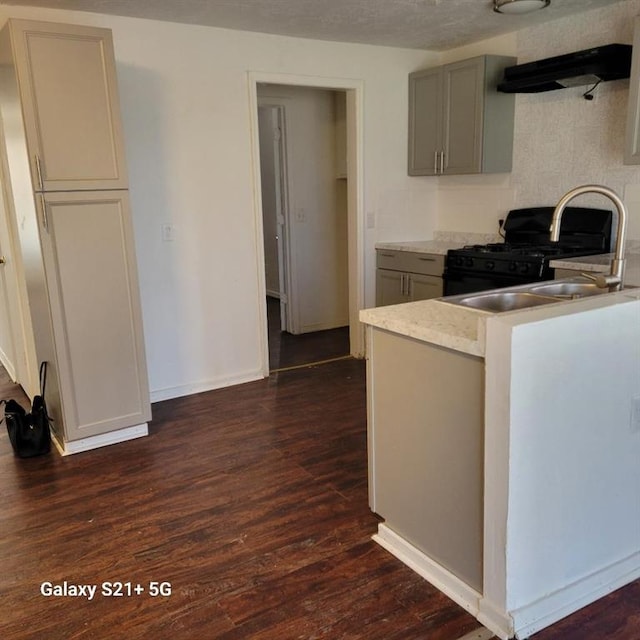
609 62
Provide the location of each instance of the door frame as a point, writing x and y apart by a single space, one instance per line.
355 197
26 367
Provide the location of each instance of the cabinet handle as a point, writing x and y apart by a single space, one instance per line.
435 161
388 255
39 171
402 275
427 259
442 162
409 285
45 219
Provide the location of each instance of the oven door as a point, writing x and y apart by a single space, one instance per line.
459 281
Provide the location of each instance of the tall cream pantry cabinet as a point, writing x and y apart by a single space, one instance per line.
65 181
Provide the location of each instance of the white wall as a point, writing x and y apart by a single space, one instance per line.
184 95
561 140
563 459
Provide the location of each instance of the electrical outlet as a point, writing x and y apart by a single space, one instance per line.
168 233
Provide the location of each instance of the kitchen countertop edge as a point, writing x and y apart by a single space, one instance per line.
433 321
463 328
441 242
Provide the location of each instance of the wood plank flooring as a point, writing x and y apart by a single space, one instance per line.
288 350
251 502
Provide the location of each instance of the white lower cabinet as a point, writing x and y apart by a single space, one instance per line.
97 378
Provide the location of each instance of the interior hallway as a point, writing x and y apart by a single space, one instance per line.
287 350
252 502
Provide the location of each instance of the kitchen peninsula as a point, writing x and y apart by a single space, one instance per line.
504 451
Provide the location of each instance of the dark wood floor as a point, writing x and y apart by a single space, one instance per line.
251 501
288 350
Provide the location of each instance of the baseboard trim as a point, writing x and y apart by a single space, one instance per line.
546 611
436 574
102 440
169 393
441 578
498 621
8 365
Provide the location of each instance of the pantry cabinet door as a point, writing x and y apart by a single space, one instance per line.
67 80
92 285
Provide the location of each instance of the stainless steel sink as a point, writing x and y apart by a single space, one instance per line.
568 289
502 300
529 295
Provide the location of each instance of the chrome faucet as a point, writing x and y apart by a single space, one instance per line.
613 280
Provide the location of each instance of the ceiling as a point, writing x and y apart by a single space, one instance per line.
417 24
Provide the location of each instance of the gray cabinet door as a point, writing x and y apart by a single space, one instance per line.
426 448
91 280
425 121
632 141
424 287
70 103
463 108
458 122
391 287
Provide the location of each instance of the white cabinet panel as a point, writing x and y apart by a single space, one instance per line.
67 81
92 286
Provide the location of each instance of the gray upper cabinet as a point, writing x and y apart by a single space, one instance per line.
68 90
458 122
632 142
425 121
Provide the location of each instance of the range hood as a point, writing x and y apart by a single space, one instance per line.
609 62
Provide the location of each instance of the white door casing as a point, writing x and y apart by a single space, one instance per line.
355 221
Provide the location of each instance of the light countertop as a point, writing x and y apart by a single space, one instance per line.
419 246
434 321
441 243
463 328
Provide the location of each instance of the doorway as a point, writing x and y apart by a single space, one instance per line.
303 171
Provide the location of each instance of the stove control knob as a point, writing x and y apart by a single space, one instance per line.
524 268
468 262
491 265
459 262
513 266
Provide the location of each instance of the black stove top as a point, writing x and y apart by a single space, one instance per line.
525 254
508 249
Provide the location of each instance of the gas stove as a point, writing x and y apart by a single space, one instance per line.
525 254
